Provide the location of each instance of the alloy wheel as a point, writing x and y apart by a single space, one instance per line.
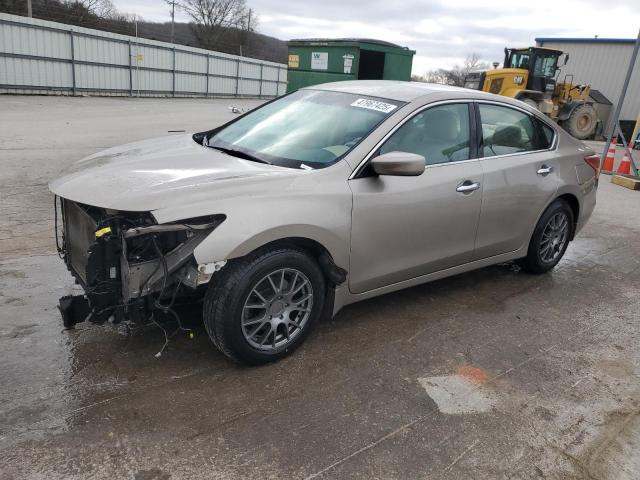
277 309
554 237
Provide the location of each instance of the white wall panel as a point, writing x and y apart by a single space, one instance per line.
23 72
38 53
270 89
249 87
102 78
249 70
190 83
270 73
29 41
222 86
222 66
189 62
100 50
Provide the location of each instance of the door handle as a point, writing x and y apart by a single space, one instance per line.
468 186
544 170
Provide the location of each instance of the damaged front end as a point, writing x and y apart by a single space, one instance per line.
129 265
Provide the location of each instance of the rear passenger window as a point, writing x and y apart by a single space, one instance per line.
440 134
506 131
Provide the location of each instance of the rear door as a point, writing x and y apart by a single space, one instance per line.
405 227
520 176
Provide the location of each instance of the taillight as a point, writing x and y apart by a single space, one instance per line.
594 162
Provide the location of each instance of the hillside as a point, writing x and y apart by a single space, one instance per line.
231 40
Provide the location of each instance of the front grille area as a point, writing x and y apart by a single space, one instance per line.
79 234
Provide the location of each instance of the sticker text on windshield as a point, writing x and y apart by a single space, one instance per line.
373 105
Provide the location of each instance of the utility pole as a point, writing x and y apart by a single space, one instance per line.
29 9
625 85
245 28
173 15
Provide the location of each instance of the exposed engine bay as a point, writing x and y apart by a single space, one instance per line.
129 265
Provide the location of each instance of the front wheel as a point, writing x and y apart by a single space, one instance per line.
263 306
550 238
581 122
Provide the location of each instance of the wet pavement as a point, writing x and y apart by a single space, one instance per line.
490 374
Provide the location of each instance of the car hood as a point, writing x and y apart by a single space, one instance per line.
157 173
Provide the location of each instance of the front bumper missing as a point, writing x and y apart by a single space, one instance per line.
141 279
103 252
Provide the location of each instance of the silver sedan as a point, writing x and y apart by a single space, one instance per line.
330 195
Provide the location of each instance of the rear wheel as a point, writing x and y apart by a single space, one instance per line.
581 122
262 307
550 238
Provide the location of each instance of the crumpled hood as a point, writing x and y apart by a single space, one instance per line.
157 173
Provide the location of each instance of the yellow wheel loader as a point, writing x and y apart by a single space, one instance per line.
530 75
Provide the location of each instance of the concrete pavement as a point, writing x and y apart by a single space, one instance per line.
490 374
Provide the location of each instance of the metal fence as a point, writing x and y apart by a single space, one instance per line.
38 56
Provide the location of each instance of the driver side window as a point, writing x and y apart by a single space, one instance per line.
440 134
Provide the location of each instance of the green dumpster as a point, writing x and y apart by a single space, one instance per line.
320 60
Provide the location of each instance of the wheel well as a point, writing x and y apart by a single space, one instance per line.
332 272
575 209
312 247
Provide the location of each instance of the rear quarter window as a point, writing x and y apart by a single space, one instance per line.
546 135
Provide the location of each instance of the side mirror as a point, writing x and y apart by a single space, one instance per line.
403 164
566 59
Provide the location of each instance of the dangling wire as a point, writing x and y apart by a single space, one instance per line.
59 249
166 308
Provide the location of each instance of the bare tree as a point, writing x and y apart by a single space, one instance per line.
212 17
247 25
457 74
440 76
472 63
99 8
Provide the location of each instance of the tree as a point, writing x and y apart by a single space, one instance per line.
212 17
97 8
456 75
440 76
459 72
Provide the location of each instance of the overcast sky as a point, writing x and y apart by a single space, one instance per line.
442 32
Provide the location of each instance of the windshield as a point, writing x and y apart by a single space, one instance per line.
307 129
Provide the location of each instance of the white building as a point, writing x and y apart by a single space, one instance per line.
602 63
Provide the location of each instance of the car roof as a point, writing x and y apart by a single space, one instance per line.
399 90
419 91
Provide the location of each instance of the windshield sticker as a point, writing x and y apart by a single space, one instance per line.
374 105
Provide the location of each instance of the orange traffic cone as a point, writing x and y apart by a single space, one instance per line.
625 165
607 166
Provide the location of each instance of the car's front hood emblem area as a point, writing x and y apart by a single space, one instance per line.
154 174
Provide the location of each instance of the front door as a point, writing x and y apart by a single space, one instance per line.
405 227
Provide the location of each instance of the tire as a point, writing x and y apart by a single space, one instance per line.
581 122
249 320
548 244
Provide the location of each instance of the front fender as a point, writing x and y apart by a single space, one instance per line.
215 247
316 206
